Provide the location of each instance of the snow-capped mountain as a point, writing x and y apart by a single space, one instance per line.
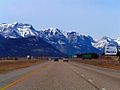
118 41
102 42
82 43
105 41
76 38
70 43
23 39
20 39
17 30
53 35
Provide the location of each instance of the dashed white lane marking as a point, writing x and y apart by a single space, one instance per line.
103 89
76 71
82 75
90 80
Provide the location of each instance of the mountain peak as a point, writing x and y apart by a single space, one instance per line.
16 30
54 31
73 33
118 41
106 38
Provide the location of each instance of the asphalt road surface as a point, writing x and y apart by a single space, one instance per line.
61 76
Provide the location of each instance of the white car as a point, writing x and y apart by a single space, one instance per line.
65 60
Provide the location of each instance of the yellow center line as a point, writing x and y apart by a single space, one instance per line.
26 76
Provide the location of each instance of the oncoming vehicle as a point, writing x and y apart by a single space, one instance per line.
65 60
110 50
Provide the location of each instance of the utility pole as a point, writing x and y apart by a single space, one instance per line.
119 58
118 54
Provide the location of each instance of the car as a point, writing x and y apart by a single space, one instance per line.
65 60
56 60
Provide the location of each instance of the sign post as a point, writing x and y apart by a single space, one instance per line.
119 58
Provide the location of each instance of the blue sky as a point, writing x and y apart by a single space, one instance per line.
97 18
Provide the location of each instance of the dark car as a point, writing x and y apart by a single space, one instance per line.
56 59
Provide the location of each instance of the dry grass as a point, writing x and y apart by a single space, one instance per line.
9 65
107 62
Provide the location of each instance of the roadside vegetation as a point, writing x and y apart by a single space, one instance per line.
10 65
111 62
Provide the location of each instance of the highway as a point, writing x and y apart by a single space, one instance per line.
61 76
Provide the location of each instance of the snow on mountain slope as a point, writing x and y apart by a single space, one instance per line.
70 43
82 43
20 39
102 42
17 30
118 41
105 41
74 37
53 35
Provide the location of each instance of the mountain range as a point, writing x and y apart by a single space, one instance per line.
20 39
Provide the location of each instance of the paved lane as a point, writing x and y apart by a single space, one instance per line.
55 76
66 76
6 78
103 78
